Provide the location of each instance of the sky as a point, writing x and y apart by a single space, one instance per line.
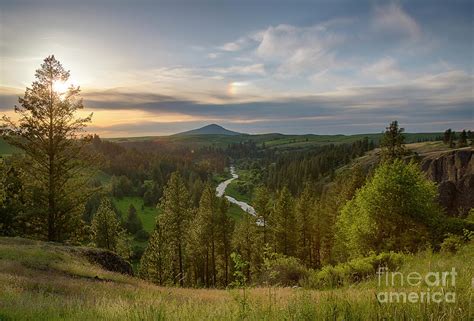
294 67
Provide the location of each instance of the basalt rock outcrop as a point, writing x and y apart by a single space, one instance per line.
108 260
454 173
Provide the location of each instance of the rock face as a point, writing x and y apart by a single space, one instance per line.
454 173
108 260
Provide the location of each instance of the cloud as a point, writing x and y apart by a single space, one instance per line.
384 70
393 20
254 69
296 50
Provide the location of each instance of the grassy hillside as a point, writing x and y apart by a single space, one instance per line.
43 281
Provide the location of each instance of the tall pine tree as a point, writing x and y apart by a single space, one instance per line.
175 221
49 133
284 223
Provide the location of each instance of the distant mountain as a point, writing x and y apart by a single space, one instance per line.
212 129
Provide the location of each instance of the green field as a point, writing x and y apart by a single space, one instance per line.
44 281
146 214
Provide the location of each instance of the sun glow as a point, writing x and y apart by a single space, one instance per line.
61 87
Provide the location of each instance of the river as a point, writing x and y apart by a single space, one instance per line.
220 191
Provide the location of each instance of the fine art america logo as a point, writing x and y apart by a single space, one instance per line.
432 287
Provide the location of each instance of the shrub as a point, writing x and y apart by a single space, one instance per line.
283 270
452 243
353 271
142 236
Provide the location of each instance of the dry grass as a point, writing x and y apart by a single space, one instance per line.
40 281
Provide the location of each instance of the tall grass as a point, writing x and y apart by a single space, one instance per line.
40 281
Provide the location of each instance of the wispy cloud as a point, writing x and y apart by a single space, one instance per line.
392 19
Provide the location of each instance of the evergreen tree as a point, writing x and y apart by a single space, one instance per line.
392 143
283 224
262 208
49 134
245 243
462 142
13 210
175 221
155 262
305 225
107 233
447 136
225 229
205 238
133 223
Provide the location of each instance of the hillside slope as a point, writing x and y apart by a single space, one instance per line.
43 281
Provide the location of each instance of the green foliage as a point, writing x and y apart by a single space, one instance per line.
146 214
462 142
452 243
13 205
155 261
175 221
283 220
306 229
283 270
142 236
246 242
353 271
107 232
240 265
262 206
394 211
133 223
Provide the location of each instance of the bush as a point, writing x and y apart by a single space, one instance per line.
142 235
283 270
354 271
452 243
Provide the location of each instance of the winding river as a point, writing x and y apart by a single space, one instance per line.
220 191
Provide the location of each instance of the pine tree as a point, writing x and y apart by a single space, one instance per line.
133 223
225 229
305 228
392 143
206 233
262 208
284 223
175 221
50 135
107 233
462 142
155 263
245 242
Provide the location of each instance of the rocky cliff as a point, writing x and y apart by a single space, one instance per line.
454 173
